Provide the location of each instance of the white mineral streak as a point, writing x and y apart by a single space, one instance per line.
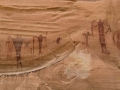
80 65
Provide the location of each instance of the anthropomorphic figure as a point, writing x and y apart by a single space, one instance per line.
116 38
102 36
87 38
40 40
18 41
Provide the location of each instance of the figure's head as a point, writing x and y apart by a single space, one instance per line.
87 32
100 20
40 35
17 35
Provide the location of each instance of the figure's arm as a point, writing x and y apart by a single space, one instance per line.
90 34
35 36
44 37
84 34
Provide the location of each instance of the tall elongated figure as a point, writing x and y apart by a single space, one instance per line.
102 36
18 41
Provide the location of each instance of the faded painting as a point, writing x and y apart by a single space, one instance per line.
59 45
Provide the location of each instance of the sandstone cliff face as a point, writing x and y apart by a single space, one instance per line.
86 68
80 70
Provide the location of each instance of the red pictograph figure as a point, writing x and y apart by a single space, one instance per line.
87 38
102 36
18 41
10 47
40 40
102 27
94 27
116 38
